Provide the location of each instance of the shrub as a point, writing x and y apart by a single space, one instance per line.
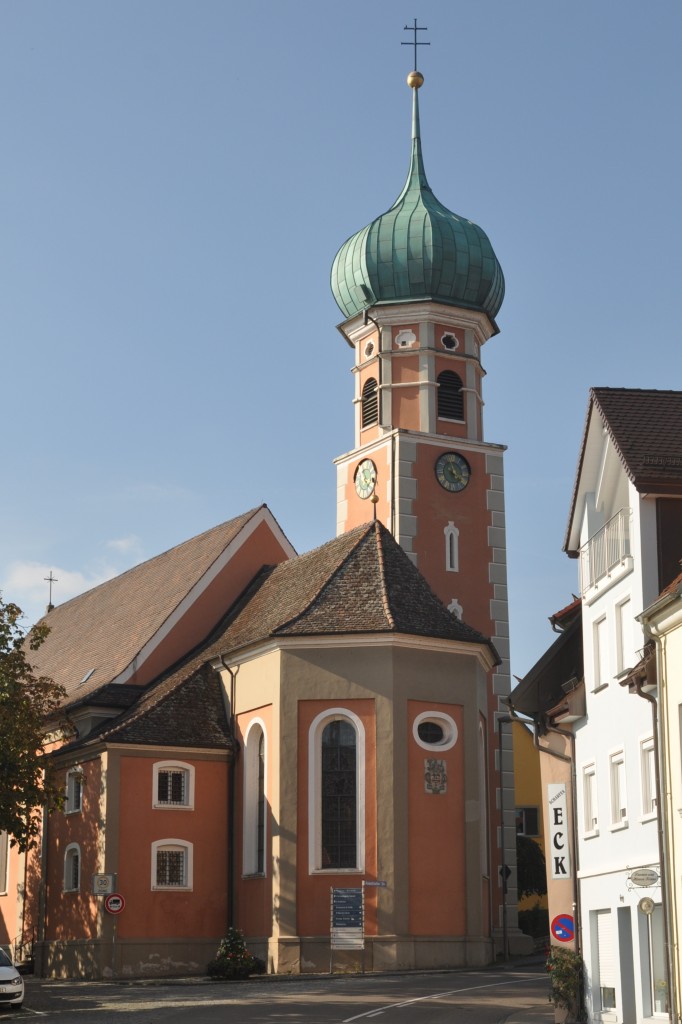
565 968
233 959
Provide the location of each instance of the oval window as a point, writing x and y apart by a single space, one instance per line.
434 730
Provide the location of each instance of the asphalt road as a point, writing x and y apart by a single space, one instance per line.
489 996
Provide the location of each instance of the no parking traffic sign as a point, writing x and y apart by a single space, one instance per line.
563 928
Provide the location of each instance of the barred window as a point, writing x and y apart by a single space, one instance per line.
72 868
173 784
74 791
171 864
339 804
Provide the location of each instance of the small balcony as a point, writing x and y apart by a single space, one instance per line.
606 551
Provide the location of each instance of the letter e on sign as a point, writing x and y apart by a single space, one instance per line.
560 866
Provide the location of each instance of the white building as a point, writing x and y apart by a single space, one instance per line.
625 529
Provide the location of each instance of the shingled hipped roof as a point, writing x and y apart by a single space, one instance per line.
645 428
106 628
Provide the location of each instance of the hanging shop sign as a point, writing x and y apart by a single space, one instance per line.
559 848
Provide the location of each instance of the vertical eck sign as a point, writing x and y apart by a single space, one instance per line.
558 854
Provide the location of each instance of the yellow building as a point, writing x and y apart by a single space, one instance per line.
528 789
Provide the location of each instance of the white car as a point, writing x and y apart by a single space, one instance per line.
11 983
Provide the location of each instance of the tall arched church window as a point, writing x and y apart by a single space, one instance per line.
370 403
450 396
337 792
255 804
451 547
72 868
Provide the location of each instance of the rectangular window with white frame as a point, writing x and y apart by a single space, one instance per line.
600 642
619 808
74 791
173 785
624 634
590 809
648 778
172 864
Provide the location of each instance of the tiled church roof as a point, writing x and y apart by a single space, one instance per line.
360 582
105 628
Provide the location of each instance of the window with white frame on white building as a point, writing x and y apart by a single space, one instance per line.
590 815
606 960
619 808
648 777
624 635
600 641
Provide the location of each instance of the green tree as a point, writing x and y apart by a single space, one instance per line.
27 703
530 868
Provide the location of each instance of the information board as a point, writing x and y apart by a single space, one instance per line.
347 919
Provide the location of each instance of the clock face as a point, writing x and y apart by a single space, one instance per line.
365 478
452 471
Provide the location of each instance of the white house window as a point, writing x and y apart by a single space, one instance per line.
74 791
624 642
451 547
336 753
606 959
590 817
72 868
619 808
172 864
173 784
435 730
4 862
648 777
255 804
601 661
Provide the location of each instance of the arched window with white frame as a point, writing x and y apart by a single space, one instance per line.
255 802
173 785
451 534
72 868
172 864
336 755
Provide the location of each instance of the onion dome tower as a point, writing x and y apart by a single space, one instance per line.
420 288
418 250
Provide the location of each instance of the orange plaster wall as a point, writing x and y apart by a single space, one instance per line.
9 909
203 911
253 896
436 835
362 510
405 400
434 507
261 548
73 915
313 891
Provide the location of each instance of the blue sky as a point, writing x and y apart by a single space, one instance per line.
177 178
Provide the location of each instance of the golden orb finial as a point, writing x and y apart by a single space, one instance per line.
415 79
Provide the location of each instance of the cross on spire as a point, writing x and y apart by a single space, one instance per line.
415 42
50 579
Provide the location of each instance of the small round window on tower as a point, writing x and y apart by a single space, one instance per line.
430 732
449 341
369 349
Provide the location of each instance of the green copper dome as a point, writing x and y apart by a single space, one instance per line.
418 250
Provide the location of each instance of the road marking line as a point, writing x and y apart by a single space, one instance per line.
436 995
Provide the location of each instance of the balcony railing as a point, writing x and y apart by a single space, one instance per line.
606 550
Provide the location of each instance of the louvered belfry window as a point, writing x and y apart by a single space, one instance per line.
370 403
450 396
339 796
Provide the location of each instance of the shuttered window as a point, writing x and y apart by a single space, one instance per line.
607 959
370 403
450 396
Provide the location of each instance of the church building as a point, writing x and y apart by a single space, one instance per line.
252 730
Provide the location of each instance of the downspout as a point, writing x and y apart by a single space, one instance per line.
42 891
638 683
230 798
